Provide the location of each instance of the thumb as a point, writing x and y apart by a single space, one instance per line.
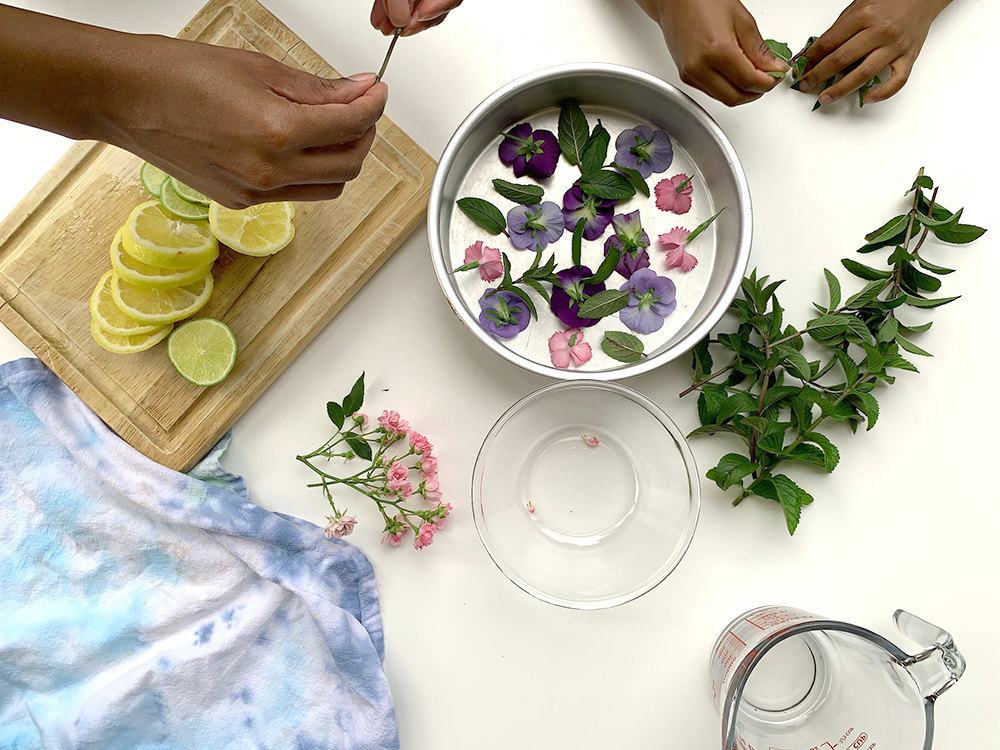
399 12
756 49
310 89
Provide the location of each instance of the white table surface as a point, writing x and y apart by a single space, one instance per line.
909 519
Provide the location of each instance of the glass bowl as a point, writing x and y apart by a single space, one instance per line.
585 494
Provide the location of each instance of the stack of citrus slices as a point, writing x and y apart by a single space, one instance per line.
161 274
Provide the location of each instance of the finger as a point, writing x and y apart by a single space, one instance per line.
326 124
849 52
845 27
717 85
423 26
309 89
759 55
900 73
329 164
290 193
873 64
398 11
742 74
428 10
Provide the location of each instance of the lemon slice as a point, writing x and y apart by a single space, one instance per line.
151 178
146 276
127 344
203 351
109 316
153 236
161 306
178 206
189 193
259 230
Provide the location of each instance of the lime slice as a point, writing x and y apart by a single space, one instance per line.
203 351
146 276
161 306
151 235
259 230
109 316
151 178
127 344
178 206
189 193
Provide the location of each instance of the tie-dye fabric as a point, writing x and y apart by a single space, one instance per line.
144 608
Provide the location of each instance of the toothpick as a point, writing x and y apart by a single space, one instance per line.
388 54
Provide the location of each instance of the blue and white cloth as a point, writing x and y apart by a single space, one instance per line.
144 608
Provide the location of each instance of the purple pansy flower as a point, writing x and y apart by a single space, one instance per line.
529 152
631 240
578 205
566 298
504 314
534 227
645 150
653 298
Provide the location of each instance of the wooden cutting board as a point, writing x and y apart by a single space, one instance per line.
55 246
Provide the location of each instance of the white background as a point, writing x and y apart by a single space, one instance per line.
909 519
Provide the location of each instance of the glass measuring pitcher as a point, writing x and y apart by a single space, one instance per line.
784 679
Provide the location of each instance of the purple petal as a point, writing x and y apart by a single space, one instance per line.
515 305
552 217
661 151
577 206
627 263
563 306
573 199
641 321
544 164
508 146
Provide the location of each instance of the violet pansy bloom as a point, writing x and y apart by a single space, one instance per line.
573 290
504 314
653 298
631 241
534 227
597 212
529 152
645 150
674 194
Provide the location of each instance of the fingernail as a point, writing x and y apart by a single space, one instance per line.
825 99
362 77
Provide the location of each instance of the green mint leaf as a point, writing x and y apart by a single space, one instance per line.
621 346
526 299
711 429
526 195
359 445
537 286
870 292
354 400
336 414
484 214
595 151
705 225
775 74
887 331
737 403
959 234
868 406
865 272
604 303
607 184
573 131
911 347
578 242
506 281
794 361
634 178
730 470
922 181
914 281
607 267
895 226
928 266
865 88
702 359
807 453
833 285
945 221
787 494
924 303
780 49
831 456
777 394
826 327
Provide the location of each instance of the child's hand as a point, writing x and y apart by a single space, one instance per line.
716 47
410 15
881 34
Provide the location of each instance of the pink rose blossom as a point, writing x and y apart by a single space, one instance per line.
669 199
443 510
428 465
590 440
392 423
339 527
430 489
568 347
425 536
419 443
490 263
393 539
361 418
675 243
531 507
398 474
395 530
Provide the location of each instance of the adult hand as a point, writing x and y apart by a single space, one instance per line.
879 33
410 15
716 47
242 127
